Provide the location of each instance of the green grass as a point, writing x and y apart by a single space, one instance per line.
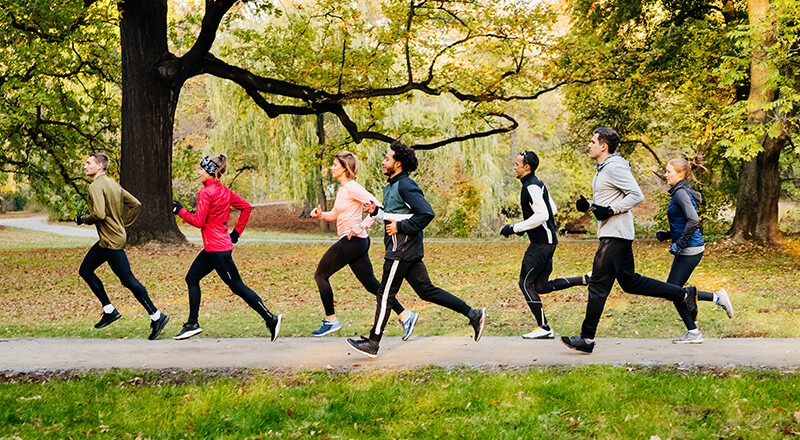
593 402
44 297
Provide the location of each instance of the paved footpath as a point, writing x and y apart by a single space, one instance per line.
332 353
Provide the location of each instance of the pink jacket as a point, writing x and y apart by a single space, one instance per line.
349 207
213 211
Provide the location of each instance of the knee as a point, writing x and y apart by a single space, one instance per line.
320 276
85 273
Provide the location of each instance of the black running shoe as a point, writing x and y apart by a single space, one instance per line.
477 317
578 343
690 300
188 331
275 326
364 346
157 326
108 318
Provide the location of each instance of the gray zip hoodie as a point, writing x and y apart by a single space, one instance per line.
614 186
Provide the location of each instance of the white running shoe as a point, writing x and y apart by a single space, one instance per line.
539 333
689 338
724 302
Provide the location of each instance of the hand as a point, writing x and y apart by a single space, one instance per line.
674 249
369 207
662 235
315 213
176 207
391 227
235 236
582 204
79 219
357 229
507 231
603 212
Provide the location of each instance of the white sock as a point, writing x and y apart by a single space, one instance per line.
694 332
108 308
156 316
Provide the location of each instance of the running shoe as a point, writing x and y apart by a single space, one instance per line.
578 343
108 318
539 333
408 325
689 338
724 302
364 346
477 317
188 331
275 326
157 326
327 327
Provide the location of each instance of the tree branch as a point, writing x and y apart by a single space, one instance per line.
647 147
215 10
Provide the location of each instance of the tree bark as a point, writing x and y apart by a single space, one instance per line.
148 113
756 217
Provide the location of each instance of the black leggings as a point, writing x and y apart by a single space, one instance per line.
614 261
394 271
679 273
118 262
352 252
222 262
534 278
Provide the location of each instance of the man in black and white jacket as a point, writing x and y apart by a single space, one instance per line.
615 194
538 211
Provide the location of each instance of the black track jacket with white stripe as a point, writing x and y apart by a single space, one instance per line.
538 210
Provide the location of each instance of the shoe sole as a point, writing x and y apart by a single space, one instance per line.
187 335
153 336
98 326
694 341
550 336
411 329
369 355
576 348
483 323
327 332
277 329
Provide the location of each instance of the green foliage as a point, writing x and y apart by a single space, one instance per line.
59 94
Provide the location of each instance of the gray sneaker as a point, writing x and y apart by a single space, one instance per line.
724 302
689 338
408 325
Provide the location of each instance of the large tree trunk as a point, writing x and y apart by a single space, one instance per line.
148 113
322 201
756 216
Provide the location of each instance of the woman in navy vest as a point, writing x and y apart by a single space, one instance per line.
687 243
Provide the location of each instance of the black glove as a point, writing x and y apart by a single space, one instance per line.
603 212
662 235
235 236
582 204
176 207
507 231
79 219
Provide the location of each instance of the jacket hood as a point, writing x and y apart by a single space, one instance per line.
683 184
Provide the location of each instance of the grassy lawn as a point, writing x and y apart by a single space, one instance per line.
44 297
590 402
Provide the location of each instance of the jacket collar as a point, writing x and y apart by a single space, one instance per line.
528 178
608 160
681 184
399 176
210 181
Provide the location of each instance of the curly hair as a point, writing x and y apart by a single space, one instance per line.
405 155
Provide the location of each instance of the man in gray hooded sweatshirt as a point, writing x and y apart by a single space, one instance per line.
615 194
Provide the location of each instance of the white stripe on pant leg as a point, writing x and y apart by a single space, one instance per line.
386 289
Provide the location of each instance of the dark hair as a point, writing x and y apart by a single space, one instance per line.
609 137
531 159
405 155
100 158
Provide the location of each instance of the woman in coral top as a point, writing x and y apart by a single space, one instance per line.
353 246
212 214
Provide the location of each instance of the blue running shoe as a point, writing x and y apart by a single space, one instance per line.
327 327
408 325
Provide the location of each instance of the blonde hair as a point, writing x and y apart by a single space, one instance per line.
349 162
686 167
